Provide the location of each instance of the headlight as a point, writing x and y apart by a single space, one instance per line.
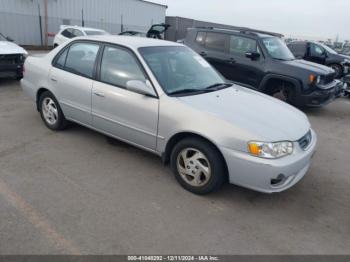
315 79
270 150
318 79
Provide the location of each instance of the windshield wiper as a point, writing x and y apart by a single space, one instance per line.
186 91
218 86
214 87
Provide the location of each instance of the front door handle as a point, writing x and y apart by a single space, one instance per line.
203 54
99 94
53 79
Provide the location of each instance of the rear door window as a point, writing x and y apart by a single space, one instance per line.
68 33
61 61
77 33
298 49
81 58
217 42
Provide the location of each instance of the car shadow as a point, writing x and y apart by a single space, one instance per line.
5 82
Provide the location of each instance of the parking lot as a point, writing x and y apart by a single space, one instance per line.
76 192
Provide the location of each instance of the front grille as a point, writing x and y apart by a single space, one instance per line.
328 78
305 141
15 59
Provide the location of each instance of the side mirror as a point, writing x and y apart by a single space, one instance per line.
9 39
140 87
252 55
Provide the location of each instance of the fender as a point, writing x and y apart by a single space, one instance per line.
297 84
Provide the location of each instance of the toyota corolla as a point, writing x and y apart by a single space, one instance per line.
164 98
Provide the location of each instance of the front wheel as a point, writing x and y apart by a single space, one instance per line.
283 93
51 112
198 166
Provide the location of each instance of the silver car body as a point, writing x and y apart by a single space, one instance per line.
228 118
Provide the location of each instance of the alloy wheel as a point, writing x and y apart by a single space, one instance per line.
194 167
50 111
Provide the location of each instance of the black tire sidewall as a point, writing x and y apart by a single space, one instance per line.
61 122
217 164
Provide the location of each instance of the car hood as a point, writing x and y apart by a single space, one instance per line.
339 56
264 117
313 67
8 48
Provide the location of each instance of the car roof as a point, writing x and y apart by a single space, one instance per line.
240 31
130 41
63 27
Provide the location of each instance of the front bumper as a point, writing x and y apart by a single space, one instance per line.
323 95
259 174
11 70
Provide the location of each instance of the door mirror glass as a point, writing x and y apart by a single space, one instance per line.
9 39
252 55
140 87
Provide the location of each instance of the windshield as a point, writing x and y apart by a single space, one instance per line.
328 49
90 32
179 69
277 48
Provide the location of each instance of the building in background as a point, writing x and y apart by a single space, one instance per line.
26 21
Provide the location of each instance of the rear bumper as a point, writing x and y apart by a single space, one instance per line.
258 174
323 96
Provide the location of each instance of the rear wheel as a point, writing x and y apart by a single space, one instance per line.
198 166
51 112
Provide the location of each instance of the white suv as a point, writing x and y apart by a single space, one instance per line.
69 32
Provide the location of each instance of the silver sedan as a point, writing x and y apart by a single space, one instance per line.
164 98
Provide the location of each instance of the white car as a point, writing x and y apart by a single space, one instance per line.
12 58
68 32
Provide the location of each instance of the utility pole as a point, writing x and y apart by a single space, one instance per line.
82 17
46 23
40 27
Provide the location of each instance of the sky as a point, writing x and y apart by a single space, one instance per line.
310 18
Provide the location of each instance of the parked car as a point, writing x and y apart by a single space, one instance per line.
134 33
156 31
164 98
262 61
12 58
68 32
321 54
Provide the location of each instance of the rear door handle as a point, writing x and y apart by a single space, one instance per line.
203 53
53 79
99 94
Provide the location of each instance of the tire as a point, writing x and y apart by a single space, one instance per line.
194 174
284 93
338 70
51 112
